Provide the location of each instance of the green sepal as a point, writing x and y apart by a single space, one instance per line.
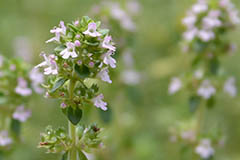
74 115
60 82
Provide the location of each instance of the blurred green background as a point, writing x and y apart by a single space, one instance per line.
142 114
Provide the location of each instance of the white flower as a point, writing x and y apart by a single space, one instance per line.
23 48
97 101
58 31
189 21
206 35
175 85
233 15
188 135
204 149
128 58
133 7
22 87
190 34
200 7
198 74
211 21
37 79
21 114
103 74
107 43
130 77
108 60
69 51
92 30
230 87
206 90
50 63
5 140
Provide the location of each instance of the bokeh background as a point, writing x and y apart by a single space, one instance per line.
141 114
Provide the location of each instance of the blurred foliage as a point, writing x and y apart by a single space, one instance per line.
141 130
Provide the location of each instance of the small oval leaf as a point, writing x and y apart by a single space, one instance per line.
74 115
82 155
58 84
82 71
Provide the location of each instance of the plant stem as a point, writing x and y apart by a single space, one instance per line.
72 154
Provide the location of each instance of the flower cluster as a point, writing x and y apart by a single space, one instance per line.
83 51
58 141
82 56
18 83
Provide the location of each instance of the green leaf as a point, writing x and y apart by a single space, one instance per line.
214 65
64 156
59 48
82 155
82 71
15 127
91 43
60 82
104 31
194 102
74 115
74 28
106 116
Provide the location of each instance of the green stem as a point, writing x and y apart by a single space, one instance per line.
73 153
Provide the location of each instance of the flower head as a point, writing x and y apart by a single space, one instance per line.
5 140
50 63
107 43
204 149
92 30
97 101
21 114
69 51
206 90
103 74
175 85
57 31
108 60
22 87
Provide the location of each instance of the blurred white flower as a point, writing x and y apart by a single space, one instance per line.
92 30
204 149
230 87
23 48
58 31
21 114
99 103
211 21
69 51
188 135
198 74
22 87
103 74
189 35
1 61
206 90
206 35
5 140
133 7
175 85
37 79
128 58
130 77
189 21
50 63
199 7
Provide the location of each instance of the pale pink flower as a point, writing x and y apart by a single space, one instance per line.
1 61
211 21
108 44
200 7
130 77
190 34
58 31
133 7
108 60
230 87
204 149
50 63
5 140
175 85
188 135
206 35
92 30
206 90
23 48
99 103
103 74
189 21
69 51
37 79
21 114
22 87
